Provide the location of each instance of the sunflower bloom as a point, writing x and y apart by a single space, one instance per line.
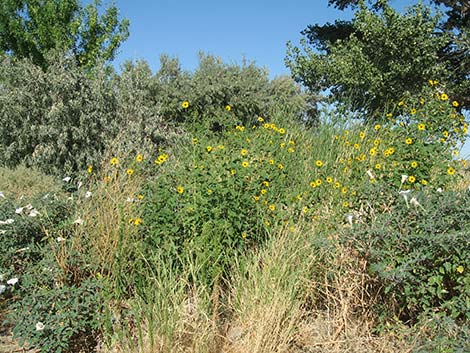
139 158
185 104
180 189
114 161
450 171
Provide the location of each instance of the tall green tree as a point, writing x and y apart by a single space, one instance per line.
381 54
32 28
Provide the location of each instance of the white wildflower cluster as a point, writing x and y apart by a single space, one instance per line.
11 282
413 201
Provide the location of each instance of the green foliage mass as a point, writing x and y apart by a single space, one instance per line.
58 120
421 254
32 28
379 56
61 120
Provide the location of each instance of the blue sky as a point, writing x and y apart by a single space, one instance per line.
256 30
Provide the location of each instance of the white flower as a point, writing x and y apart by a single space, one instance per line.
370 174
439 190
2 288
29 206
78 221
404 178
415 203
79 185
59 239
39 326
2 195
88 194
45 196
350 217
8 221
33 213
129 199
67 179
19 210
12 281
405 193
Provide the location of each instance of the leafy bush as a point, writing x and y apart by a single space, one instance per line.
59 120
55 315
62 120
25 228
220 195
420 252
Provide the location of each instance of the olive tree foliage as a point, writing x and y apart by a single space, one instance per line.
32 28
379 56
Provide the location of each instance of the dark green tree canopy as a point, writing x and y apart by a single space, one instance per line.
31 28
381 54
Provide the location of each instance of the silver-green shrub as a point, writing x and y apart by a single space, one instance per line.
58 120
63 119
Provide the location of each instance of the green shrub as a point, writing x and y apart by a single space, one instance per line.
30 220
62 120
55 315
59 120
217 196
421 254
220 95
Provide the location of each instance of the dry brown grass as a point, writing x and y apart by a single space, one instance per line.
27 182
278 303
